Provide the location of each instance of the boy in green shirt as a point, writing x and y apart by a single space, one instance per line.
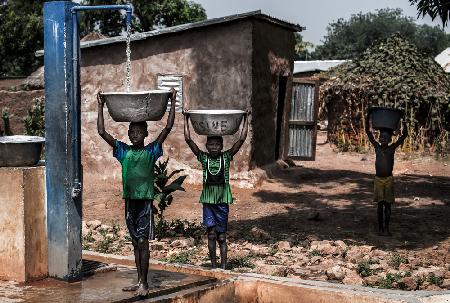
216 194
138 162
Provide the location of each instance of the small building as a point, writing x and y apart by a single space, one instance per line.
444 59
235 62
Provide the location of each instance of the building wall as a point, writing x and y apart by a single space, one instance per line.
216 66
273 56
18 103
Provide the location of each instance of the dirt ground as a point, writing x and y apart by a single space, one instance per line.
336 190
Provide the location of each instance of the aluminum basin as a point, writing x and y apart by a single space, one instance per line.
385 117
216 122
137 106
20 150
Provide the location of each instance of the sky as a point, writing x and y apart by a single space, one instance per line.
315 15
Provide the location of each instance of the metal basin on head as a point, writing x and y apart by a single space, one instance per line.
217 122
20 150
385 117
136 106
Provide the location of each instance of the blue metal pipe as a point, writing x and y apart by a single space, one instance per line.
126 7
76 129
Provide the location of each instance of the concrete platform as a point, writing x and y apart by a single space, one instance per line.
101 287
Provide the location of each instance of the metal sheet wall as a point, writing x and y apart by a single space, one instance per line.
302 111
300 141
302 108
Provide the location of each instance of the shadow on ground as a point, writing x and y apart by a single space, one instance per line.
343 199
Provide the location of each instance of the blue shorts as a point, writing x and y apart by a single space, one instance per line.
138 215
216 215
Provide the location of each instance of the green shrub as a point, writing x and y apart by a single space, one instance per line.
396 260
34 123
431 278
387 281
315 252
240 261
183 257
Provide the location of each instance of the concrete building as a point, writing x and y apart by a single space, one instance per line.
236 62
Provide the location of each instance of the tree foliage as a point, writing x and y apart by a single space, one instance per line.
302 48
392 73
22 31
433 8
147 15
347 39
21 34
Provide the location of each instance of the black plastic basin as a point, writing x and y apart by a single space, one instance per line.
385 117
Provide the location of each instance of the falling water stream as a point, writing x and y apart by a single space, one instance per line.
128 66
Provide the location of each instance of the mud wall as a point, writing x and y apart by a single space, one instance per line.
215 63
18 102
273 56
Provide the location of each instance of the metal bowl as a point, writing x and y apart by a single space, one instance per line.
385 117
20 150
137 106
216 122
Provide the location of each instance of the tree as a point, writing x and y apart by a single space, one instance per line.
347 39
302 48
147 16
21 34
433 8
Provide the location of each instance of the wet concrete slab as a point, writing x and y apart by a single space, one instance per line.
101 287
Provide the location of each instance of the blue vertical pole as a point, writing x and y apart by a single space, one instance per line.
63 211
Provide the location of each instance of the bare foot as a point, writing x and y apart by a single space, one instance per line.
132 287
142 291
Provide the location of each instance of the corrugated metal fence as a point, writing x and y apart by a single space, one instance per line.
302 121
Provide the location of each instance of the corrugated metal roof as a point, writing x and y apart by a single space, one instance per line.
444 60
189 26
317 65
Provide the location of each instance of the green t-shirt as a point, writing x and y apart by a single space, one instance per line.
138 165
221 193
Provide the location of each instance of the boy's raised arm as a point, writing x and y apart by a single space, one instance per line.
369 132
236 146
187 135
101 122
170 120
403 136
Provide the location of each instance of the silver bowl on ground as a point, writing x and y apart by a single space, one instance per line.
136 106
20 150
216 122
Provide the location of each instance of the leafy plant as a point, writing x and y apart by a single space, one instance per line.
363 269
183 257
164 189
315 253
34 123
396 260
5 117
240 261
387 281
431 278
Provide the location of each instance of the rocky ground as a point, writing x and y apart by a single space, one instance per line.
315 220
325 260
